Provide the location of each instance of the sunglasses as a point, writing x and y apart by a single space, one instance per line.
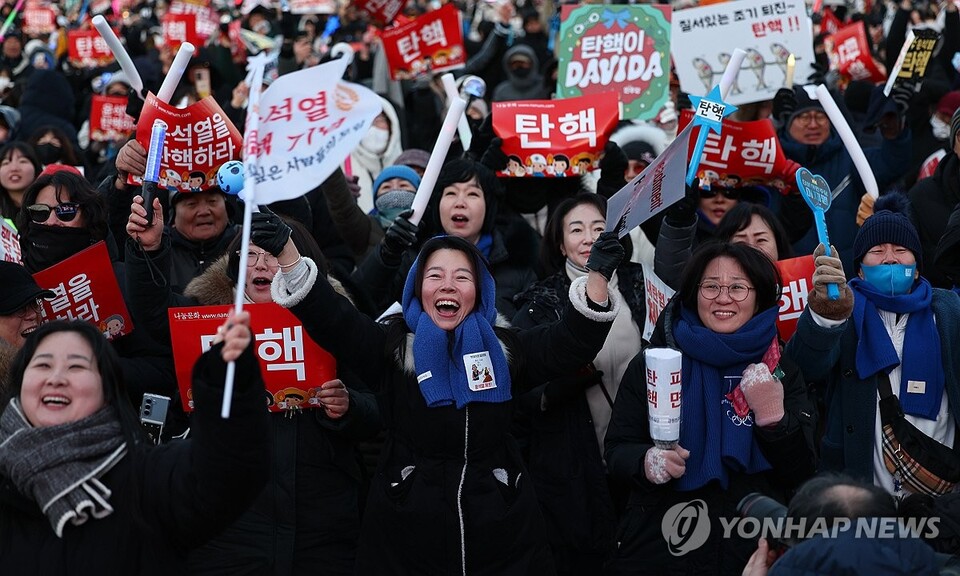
731 193
65 211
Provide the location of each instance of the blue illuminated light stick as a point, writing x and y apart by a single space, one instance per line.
710 110
816 192
151 176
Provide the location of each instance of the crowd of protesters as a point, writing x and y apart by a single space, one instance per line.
494 420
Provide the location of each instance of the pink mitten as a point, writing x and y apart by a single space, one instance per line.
660 465
764 394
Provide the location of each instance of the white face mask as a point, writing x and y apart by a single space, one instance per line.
376 140
941 130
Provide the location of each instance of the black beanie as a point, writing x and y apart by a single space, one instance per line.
890 223
804 103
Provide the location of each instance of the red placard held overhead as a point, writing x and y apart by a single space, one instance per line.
87 49
109 119
382 11
432 43
86 288
39 20
850 54
180 28
555 137
293 366
200 138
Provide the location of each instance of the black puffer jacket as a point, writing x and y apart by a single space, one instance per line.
932 200
559 439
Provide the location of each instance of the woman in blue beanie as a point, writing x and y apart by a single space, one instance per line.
450 495
891 339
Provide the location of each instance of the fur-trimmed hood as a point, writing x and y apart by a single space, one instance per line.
214 287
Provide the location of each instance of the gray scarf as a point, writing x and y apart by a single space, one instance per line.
60 466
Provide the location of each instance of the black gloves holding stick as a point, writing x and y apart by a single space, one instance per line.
401 235
605 255
269 231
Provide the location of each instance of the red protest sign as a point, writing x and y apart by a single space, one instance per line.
180 28
200 138
555 137
87 49
743 154
850 54
39 20
797 277
85 288
109 119
830 23
431 43
382 11
293 365
206 23
9 242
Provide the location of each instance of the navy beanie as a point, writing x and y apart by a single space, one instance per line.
890 223
804 103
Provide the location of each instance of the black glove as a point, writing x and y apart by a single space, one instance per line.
784 104
684 211
567 388
683 102
819 74
493 157
605 255
134 103
901 94
613 165
269 231
401 235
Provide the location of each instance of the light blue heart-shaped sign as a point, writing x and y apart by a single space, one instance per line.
814 189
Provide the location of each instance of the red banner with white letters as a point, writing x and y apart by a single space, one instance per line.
85 288
850 54
39 20
200 138
293 366
797 277
109 120
555 138
180 28
87 49
380 11
743 154
9 242
430 44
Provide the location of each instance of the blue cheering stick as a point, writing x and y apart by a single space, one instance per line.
151 176
709 112
816 193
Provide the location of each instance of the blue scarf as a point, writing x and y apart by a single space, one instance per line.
921 343
484 244
442 366
718 437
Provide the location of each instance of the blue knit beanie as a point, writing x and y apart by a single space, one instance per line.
890 223
403 172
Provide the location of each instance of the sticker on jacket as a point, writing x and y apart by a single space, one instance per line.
479 369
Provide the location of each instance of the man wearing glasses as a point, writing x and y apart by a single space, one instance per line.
19 311
808 137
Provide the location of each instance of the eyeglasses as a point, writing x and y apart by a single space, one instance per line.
712 291
731 193
27 308
812 117
65 211
253 257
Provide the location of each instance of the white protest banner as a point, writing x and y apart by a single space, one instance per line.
310 120
313 6
657 294
703 39
657 187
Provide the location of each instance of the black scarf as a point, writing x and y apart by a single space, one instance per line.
49 245
60 466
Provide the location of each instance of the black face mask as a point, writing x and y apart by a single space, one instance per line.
48 153
49 245
521 72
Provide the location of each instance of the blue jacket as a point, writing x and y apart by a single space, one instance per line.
832 161
830 354
852 556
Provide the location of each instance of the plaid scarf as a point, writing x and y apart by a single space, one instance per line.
61 466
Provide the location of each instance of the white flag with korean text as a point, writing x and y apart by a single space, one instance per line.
309 122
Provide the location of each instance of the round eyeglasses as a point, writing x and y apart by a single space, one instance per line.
712 291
